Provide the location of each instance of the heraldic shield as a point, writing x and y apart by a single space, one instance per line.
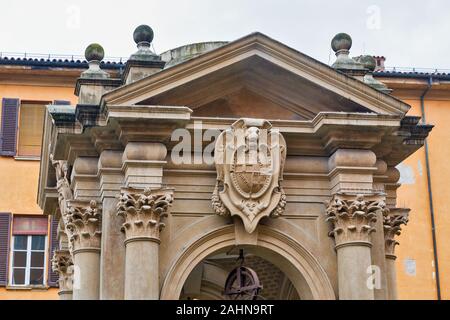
249 159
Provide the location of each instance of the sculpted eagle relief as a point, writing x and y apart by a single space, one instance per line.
249 159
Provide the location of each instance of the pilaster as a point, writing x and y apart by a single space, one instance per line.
392 228
112 265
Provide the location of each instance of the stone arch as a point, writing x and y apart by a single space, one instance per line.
212 281
304 271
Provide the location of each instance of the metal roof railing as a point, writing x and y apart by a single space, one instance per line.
417 70
54 57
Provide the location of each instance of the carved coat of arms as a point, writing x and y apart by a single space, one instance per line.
249 159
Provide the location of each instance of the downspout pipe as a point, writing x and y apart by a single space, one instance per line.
430 190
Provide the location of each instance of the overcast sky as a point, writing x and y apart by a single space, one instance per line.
409 33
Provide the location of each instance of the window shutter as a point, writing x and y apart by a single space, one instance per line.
10 108
5 225
53 276
62 102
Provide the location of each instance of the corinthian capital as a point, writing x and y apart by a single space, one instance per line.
62 264
392 227
84 225
352 217
144 211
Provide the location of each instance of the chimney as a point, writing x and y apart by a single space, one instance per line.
380 63
143 62
341 45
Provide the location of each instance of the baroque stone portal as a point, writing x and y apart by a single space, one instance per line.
249 159
107 165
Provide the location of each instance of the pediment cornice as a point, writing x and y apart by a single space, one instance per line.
258 45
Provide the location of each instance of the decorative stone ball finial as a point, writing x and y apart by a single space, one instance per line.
368 62
341 41
94 52
143 33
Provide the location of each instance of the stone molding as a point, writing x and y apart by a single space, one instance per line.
353 218
143 211
392 227
62 263
84 225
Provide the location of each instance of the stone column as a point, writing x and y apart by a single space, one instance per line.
142 208
392 228
353 218
112 265
143 211
84 228
63 265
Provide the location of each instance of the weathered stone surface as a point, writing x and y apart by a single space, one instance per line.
339 140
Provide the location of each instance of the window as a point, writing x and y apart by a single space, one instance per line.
31 122
28 260
28 251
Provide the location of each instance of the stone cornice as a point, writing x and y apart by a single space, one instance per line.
143 211
257 44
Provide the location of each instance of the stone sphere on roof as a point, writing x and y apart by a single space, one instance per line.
341 41
94 51
143 33
368 62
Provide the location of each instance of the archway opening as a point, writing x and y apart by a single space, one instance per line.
299 265
207 281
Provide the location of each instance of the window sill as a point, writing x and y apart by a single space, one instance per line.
30 288
27 158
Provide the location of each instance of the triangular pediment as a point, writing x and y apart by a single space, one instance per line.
248 103
259 77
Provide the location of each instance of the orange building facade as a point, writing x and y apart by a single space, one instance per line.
26 87
26 243
424 257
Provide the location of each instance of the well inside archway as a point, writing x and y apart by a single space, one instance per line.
207 280
282 252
